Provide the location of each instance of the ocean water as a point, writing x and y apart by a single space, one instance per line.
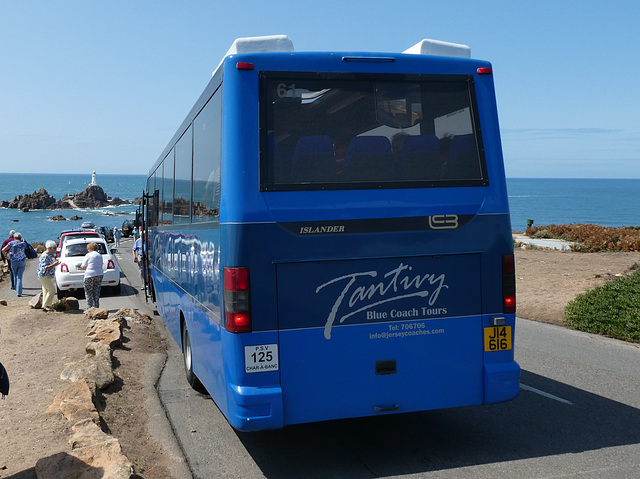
606 202
546 201
36 225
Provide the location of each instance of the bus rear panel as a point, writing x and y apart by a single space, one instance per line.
358 260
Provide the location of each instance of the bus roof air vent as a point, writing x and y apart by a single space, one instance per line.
438 48
264 44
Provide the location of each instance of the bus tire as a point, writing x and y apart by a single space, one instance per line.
187 355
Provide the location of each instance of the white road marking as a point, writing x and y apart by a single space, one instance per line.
547 395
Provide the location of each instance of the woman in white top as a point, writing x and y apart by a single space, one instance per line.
92 266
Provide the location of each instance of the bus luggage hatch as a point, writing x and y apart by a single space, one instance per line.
366 337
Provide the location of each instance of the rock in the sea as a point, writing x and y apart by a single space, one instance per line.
119 201
58 218
38 200
75 218
92 197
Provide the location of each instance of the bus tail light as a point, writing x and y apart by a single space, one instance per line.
508 284
237 311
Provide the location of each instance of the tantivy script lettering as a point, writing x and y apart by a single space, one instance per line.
397 284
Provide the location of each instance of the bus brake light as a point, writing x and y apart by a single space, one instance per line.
236 300
508 284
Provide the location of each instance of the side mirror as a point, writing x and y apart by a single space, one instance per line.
114 250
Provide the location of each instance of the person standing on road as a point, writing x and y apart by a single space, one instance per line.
46 273
116 236
5 257
138 256
92 267
18 260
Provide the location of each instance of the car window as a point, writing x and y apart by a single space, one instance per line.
81 249
76 250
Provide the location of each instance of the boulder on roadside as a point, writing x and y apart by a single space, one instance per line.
75 403
36 301
72 303
107 331
96 313
133 315
94 453
97 366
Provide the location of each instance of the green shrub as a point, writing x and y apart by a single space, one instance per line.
612 309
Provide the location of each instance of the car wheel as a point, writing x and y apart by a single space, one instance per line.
187 355
60 293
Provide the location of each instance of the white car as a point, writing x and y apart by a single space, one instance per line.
69 277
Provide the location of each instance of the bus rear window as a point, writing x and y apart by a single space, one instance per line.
334 131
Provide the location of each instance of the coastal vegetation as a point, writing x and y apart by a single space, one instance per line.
590 238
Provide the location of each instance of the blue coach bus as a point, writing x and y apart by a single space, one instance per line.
329 235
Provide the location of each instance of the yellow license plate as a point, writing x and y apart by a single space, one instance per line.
497 339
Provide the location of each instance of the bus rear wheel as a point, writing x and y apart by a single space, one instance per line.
187 355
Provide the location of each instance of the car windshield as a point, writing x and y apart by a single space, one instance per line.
81 249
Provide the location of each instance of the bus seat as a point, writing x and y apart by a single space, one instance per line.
420 158
463 158
368 158
281 168
314 159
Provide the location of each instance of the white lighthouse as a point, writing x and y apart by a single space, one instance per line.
93 179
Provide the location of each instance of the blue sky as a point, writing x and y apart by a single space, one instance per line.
104 85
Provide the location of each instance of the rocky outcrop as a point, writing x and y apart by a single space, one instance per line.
38 200
91 197
117 201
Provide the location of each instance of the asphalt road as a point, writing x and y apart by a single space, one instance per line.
578 416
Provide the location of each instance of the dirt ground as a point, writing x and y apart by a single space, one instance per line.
35 346
547 280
